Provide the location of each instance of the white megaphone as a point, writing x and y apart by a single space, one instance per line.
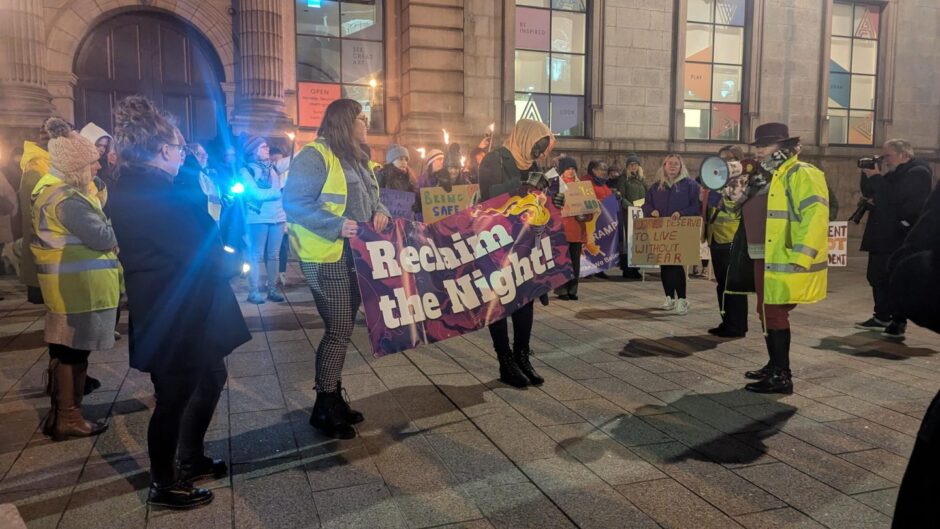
717 172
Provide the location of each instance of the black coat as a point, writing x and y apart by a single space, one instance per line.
899 197
915 268
183 313
499 174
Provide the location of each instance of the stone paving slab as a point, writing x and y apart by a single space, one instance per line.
642 422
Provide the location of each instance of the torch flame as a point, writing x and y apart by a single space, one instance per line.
422 151
463 161
291 135
446 137
492 127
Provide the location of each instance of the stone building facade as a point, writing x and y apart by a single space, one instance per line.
450 64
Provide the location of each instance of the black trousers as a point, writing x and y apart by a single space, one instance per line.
571 287
67 355
921 480
186 401
878 277
521 330
734 305
673 278
285 249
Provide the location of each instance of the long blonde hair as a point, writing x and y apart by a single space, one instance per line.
661 173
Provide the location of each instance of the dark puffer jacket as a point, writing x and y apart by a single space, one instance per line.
899 197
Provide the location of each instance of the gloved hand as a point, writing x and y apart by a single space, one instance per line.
559 200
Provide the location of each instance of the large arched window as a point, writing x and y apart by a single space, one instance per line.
714 80
551 63
340 53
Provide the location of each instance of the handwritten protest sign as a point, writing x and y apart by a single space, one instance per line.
667 241
604 253
423 283
399 203
838 243
634 213
580 199
436 203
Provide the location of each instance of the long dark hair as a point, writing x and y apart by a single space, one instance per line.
338 130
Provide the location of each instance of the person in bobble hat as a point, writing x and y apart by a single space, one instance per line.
76 259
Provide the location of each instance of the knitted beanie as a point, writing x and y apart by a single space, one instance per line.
395 152
433 154
567 163
69 152
252 145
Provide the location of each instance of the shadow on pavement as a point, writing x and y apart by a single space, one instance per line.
673 346
869 345
620 314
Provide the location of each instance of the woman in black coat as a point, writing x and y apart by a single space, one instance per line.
506 170
184 318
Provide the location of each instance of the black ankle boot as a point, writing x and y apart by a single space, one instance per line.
758 374
180 495
525 365
352 416
509 372
778 381
202 468
329 416
91 384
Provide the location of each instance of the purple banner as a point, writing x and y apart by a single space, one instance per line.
399 203
423 283
602 252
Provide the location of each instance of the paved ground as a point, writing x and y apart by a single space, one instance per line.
641 423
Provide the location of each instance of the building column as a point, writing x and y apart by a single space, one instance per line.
25 101
259 94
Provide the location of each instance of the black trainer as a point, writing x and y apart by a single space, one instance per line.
872 324
180 495
895 330
203 468
779 381
329 416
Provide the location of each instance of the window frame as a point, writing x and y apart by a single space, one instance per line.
591 67
751 8
880 58
382 82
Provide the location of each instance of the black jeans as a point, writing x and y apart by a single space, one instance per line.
521 329
878 277
734 305
922 477
571 287
67 355
186 401
285 249
673 278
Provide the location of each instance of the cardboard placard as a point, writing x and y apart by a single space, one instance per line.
667 241
633 213
838 243
436 203
580 200
399 203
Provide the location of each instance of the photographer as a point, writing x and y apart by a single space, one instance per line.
894 192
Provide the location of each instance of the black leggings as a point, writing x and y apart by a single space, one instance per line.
521 327
67 355
673 278
185 404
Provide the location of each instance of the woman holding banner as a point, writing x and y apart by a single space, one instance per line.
506 170
674 195
332 189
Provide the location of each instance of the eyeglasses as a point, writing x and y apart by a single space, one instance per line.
363 118
180 146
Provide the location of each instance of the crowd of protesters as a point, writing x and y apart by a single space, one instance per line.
92 216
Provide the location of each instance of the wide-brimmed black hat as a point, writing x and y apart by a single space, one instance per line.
770 133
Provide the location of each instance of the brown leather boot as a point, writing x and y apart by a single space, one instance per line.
70 384
48 425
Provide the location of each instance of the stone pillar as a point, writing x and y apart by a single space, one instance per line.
24 95
259 94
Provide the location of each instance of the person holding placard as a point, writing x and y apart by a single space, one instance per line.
630 187
507 170
674 195
575 233
781 248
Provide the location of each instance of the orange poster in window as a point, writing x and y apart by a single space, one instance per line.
312 100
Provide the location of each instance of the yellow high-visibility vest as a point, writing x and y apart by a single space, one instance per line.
309 246
73 277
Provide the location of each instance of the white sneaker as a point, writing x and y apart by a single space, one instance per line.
282 279
670 304
682 306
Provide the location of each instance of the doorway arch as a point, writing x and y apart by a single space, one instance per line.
156 55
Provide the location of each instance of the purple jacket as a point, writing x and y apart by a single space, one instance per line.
681 197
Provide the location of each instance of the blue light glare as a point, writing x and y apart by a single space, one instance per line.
238 188
316 4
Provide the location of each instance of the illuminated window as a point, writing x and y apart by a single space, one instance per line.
853 73
713 86
551 61
340 53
